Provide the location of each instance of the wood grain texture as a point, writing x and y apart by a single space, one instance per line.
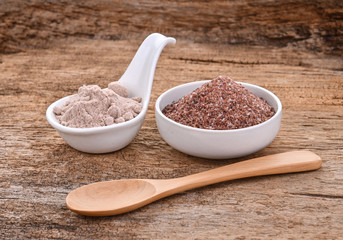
38 169
315 25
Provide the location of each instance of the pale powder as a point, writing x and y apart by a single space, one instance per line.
96 107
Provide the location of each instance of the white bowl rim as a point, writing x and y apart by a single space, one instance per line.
50 115
276 115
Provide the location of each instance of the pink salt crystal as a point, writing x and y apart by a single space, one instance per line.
111 94
137 108
128 116
85 98
88 118
114 111
89 90
119 89
119 120
137 99
57 110
109 120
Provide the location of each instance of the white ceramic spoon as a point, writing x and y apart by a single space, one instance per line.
120 196
138 78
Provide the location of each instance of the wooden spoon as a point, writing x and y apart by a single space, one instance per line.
120 196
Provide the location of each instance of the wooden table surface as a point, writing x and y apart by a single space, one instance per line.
38 169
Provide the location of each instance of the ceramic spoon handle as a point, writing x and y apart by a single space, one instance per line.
287 162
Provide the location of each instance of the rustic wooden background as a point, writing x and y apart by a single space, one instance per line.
50 48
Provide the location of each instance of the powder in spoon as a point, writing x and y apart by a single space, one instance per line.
220 104
96 107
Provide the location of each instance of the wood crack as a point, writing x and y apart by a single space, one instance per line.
197 60
319 195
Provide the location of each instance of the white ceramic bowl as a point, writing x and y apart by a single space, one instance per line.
217 144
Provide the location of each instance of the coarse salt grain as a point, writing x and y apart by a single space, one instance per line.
220 104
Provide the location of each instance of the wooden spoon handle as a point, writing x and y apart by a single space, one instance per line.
296 161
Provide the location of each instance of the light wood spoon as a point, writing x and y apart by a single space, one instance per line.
120 196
